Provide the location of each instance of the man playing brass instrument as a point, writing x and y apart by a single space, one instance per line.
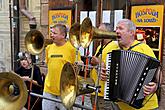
57 54
107 45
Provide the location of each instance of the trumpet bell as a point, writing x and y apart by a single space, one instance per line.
34 42
71 85
88 32
13 91
74 35
68 85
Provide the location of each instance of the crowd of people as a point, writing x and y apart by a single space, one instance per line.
61 51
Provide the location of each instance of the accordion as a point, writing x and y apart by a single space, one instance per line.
128 72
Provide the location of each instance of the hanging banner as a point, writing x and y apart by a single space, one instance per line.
149 22
60 17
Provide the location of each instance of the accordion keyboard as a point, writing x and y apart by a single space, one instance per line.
106 87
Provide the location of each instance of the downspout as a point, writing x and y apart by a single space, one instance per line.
11 35
16 31
25 12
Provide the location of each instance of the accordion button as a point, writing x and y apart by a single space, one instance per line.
140 84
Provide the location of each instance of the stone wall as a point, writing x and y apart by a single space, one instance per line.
5 47
34 8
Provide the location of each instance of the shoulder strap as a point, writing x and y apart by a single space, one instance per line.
100 50
134 46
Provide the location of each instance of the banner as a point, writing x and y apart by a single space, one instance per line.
149 21
60 17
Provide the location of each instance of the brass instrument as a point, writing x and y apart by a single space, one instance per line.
71 85
84 34
35 42
13 91
88 32
80 35
74 35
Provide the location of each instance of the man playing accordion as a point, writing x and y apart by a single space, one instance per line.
126 31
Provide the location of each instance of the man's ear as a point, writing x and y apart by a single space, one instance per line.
132 33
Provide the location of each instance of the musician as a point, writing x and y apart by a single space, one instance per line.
25 71
125 30
107 44
57 54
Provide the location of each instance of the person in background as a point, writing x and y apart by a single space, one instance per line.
56 55
152 38
25 71
126 31
107 44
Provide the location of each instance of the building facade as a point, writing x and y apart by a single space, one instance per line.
12 37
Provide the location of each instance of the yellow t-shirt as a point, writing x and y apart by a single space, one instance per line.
142 48
56 57
153 102
93 73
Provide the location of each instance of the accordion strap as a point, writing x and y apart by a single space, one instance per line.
101 48
134 46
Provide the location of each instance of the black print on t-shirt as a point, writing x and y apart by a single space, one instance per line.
55 56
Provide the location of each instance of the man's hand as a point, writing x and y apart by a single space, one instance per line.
149 88
94 61
26 78
79 62
79 65
103 75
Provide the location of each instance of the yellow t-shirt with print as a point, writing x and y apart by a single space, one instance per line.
93 73
56 57
153 102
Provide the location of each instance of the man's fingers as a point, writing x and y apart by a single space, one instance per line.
149 88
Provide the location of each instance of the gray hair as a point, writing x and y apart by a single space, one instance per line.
62 28
130 25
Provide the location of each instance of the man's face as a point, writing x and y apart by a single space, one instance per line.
102 27
123 34
56 35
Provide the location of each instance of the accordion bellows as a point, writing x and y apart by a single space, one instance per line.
128 72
